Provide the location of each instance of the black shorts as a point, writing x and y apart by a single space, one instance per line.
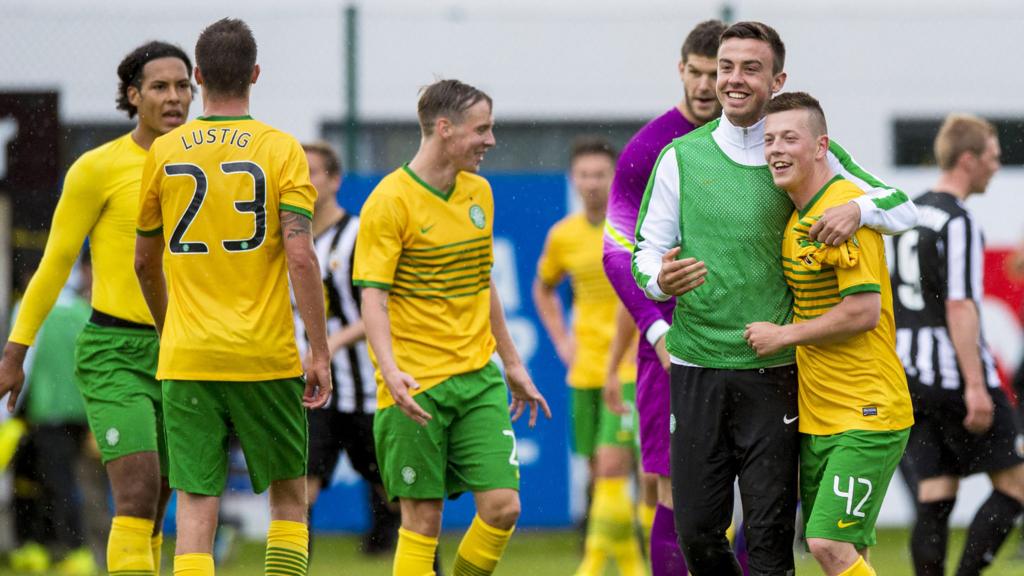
940 445
330 433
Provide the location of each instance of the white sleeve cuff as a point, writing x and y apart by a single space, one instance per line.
866 209
656 331
654 291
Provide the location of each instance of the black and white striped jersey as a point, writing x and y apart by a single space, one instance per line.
941 259
355 390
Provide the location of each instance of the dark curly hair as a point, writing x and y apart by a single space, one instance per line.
129 71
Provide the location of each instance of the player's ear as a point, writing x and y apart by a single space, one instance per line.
134 96
199 75
443 127
255 73
682 68
822 150
778 82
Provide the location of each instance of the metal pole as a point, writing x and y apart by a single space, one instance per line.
728 13
351 88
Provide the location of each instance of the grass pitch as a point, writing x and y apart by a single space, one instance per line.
556 553
542 553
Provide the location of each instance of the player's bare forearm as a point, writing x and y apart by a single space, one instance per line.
964 332
304 271
12 373
346 337
625 333
506 347
378 327
856 314
149 268
549 309
378 334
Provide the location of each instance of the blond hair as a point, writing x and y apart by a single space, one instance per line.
961 133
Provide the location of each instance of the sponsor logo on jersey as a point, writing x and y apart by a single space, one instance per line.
870 410
842 524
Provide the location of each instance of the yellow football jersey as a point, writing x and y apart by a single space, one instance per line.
858 384
574 248
432 251
100 200
215 188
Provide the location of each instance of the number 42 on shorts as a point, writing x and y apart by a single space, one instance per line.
851 484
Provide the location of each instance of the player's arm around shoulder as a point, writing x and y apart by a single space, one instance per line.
520 384
883 208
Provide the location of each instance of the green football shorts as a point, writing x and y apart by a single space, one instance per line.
619 430
585 405
267 416
116 369
468 445
843 480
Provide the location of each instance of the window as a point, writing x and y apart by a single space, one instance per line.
913 140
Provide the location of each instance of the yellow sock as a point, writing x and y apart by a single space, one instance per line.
128 550
480 549
156 545
287 549
859 568
646 516
193 565
610 530
414 555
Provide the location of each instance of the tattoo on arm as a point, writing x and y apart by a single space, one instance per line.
295 225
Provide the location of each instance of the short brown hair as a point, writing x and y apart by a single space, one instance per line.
764 33
226 57
587 145
799 101
961 133
332 164
703 39
449 99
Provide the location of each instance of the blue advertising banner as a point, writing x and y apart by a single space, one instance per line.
526 206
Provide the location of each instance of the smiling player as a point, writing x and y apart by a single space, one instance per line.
433 320
855 412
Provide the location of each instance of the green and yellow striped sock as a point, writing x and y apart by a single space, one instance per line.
287 549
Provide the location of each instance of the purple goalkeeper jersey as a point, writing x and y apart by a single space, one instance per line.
631 175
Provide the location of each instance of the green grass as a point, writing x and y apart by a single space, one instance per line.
556 553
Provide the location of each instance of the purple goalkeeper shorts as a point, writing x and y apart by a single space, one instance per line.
652 405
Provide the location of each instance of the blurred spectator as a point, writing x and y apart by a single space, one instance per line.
47 497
